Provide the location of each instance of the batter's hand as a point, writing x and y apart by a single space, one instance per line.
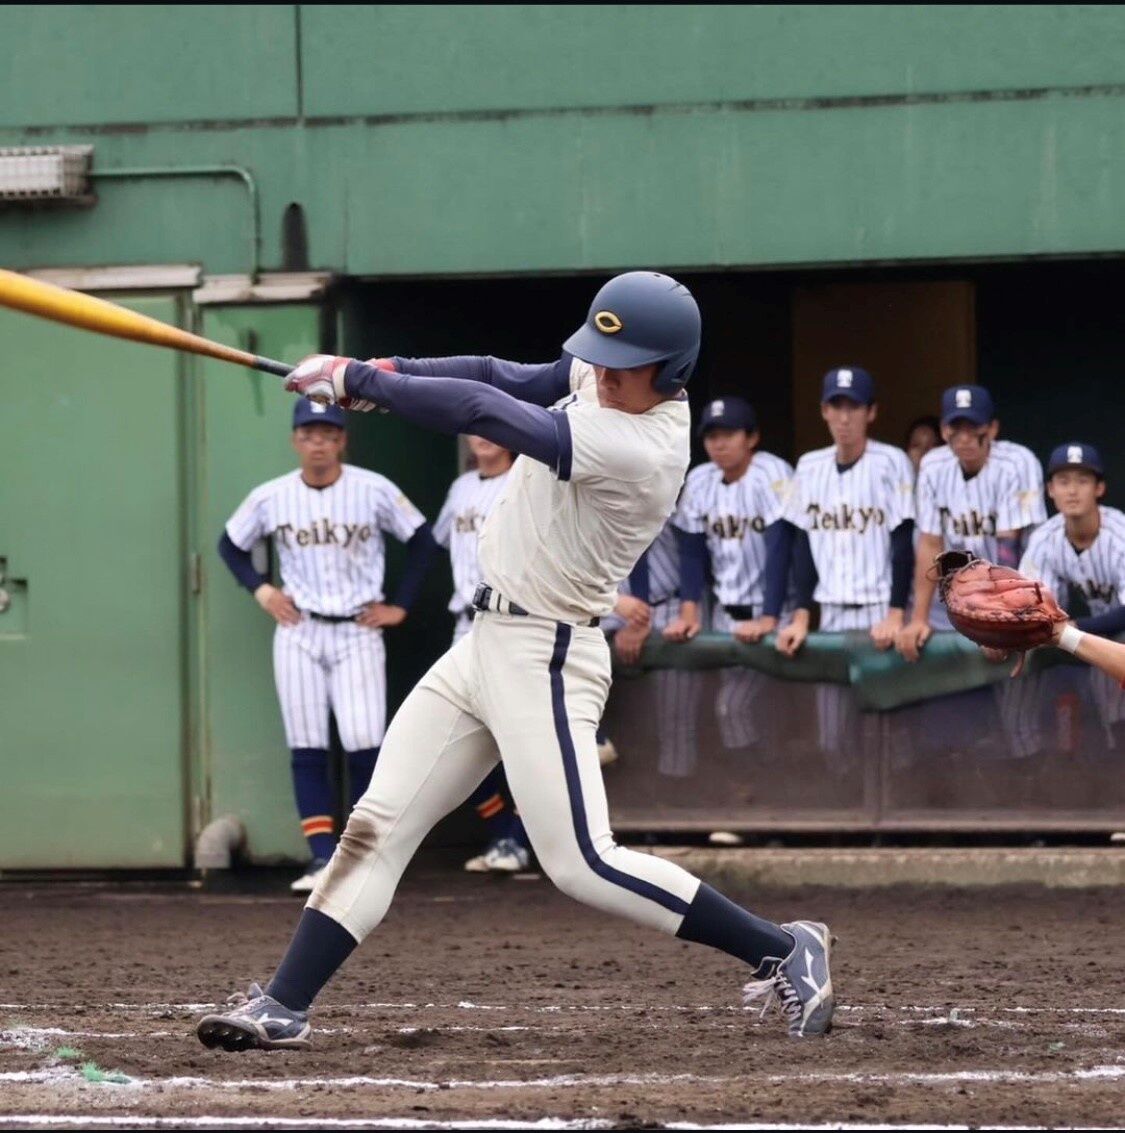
912 638
635 611
277 604
378 615
320 377
628 643
753 631
884 633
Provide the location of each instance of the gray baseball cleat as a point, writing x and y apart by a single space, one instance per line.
255 1021
801 987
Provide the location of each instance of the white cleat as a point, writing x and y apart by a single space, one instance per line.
505 855
306 883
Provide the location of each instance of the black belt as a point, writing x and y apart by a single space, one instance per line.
486 598
740 613
335 618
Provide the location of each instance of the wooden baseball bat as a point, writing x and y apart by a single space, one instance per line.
22 293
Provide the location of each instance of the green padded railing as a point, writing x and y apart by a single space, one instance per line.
882 680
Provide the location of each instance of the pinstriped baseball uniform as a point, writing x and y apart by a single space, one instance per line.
734 518
330 554
677 691
470 500
1094 577
530 687
849 517
968 512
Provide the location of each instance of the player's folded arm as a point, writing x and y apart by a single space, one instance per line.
452 405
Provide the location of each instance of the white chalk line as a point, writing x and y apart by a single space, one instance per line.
1105 1073
622 1008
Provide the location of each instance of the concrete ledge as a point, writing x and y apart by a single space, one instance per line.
868 868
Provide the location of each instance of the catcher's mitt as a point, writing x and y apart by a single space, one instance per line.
996 606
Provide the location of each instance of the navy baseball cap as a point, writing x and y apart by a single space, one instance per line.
851 382
1075 454
307 412
730 412
969 403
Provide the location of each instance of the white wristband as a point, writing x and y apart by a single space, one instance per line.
1070 638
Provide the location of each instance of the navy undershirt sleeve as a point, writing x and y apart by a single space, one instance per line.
639 580
1008 551
693 564
804 570
540 384
779 555
450 405
902 563
1109 624
240 564
420 550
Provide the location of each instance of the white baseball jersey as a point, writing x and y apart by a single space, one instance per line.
967 512
734 518
1097 573
328 541
849 517
468 504
559 543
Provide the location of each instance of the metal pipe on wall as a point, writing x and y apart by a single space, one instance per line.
242 173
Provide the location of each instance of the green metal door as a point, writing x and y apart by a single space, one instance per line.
244 439
92 636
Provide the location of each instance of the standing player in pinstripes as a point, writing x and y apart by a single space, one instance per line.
1079 554
655 580
730 512
853 506
327 520
458 526
972 495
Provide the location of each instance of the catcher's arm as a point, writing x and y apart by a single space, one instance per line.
1101 652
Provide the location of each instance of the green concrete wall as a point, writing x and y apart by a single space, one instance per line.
522 138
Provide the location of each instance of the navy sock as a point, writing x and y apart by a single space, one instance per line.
360 765
318 948
316 803
722 924
492 805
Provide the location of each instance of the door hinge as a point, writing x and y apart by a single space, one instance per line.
195 572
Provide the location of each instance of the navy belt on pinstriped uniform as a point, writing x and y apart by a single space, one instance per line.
330 617
486 598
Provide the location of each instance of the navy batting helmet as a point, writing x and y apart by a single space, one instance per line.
637 319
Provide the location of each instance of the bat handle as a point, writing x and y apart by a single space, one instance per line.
269 366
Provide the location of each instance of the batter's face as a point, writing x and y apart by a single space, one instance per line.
922 439
320 448
628 390
847 420
486 452
970 442
730 449
1075 492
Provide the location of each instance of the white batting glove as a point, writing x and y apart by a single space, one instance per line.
320 377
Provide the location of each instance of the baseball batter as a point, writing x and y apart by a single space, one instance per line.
458 527
1079 554
852 504
730 517
326 521
603 435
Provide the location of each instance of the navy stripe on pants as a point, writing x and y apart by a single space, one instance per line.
574 789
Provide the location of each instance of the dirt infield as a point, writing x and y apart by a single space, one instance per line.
486 1000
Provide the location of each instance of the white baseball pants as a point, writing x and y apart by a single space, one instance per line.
338 665
528 691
